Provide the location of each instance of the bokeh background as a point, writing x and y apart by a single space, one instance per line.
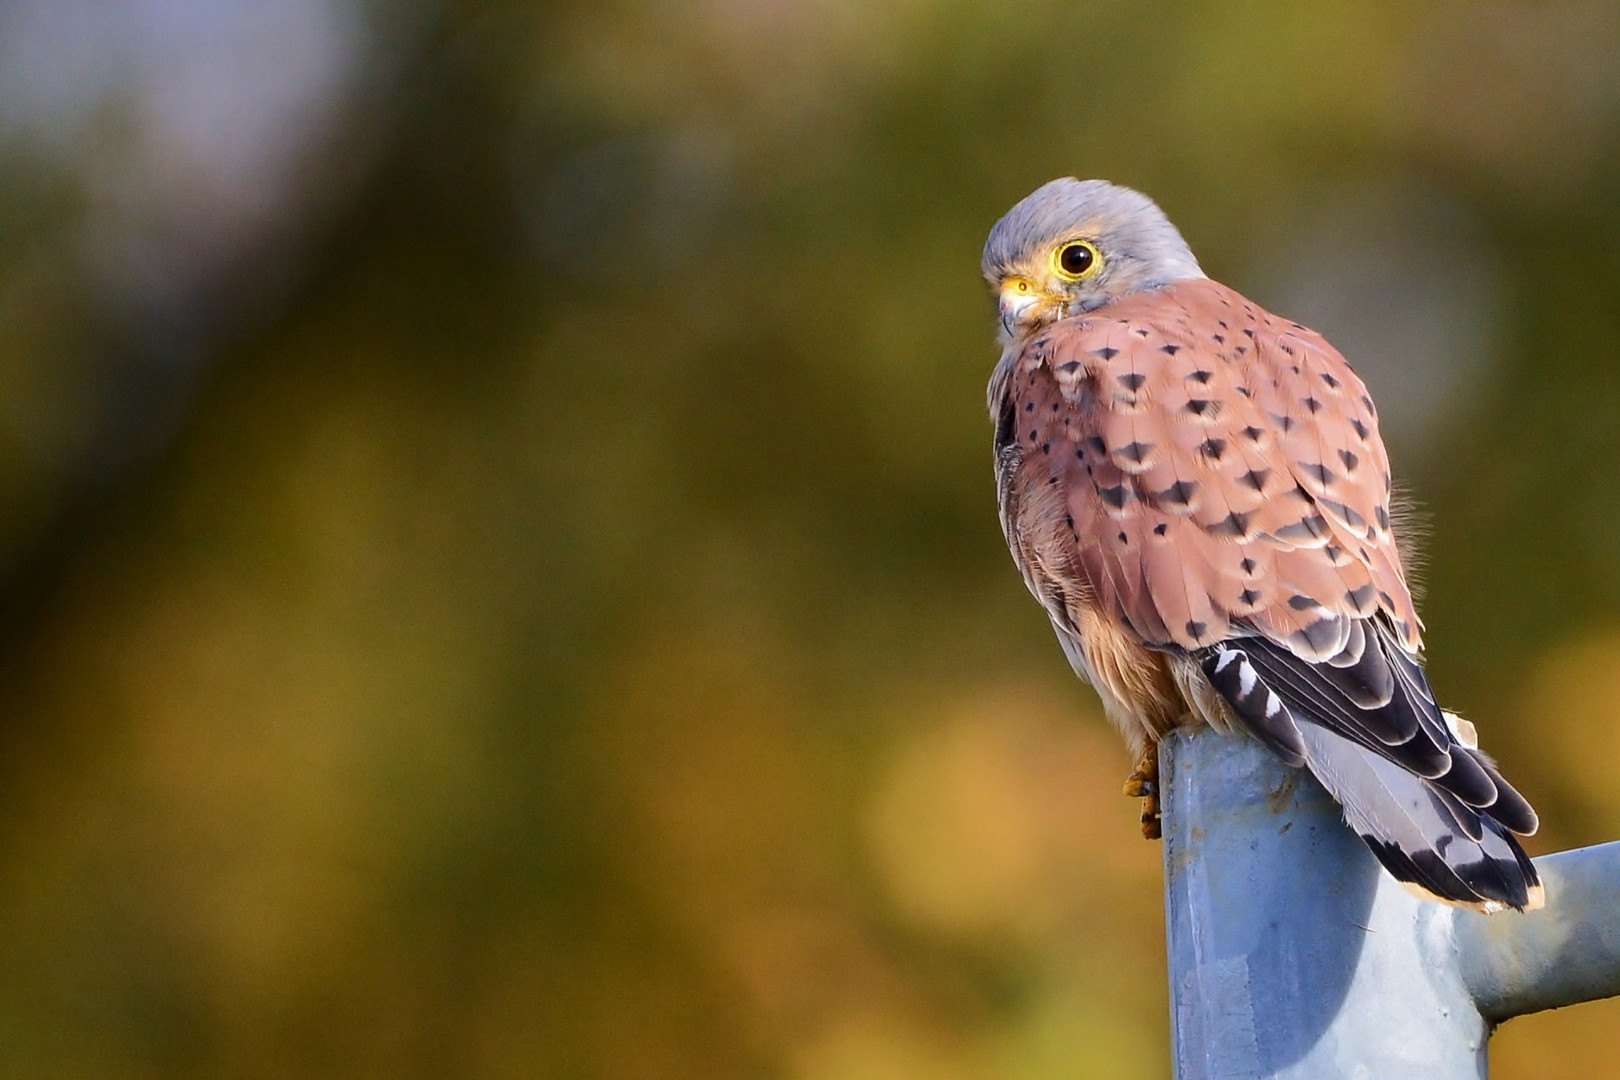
498 566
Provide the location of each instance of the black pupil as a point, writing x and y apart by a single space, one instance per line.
1075 259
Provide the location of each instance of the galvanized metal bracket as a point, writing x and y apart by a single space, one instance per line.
1294 955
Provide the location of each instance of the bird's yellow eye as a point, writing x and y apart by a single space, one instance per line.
1076 259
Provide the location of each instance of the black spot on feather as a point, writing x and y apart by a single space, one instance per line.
1318 636
1361 599
1319 472
1116 496
1256 479
1307 528
1235 525
1135 452
1345 513
1179 493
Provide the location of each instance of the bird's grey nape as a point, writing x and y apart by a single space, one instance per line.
1129 227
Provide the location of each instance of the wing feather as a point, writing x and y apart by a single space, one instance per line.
1191 418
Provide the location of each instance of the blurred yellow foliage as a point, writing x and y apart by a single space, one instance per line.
500 560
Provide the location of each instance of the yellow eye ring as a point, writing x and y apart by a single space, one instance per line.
1076 259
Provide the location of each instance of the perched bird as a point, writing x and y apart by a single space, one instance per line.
1197 493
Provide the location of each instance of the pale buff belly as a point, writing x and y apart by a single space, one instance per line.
1145 692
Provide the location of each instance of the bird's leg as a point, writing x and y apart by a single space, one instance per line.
1144 784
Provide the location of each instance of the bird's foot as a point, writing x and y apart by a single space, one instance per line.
1139 785
1144 784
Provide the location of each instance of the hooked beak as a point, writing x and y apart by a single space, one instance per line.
1021 302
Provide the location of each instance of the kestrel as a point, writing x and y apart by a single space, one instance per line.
1197 493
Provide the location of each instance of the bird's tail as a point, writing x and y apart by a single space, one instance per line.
1425 836
1433 809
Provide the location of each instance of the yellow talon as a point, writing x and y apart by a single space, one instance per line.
1151 827
1144 784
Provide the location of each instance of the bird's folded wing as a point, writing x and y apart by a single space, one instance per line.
1199 469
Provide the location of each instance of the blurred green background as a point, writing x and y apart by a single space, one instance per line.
499 565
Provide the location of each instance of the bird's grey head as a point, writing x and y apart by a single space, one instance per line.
1074 245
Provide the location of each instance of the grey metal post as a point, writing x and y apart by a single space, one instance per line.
1293 955
1566 953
